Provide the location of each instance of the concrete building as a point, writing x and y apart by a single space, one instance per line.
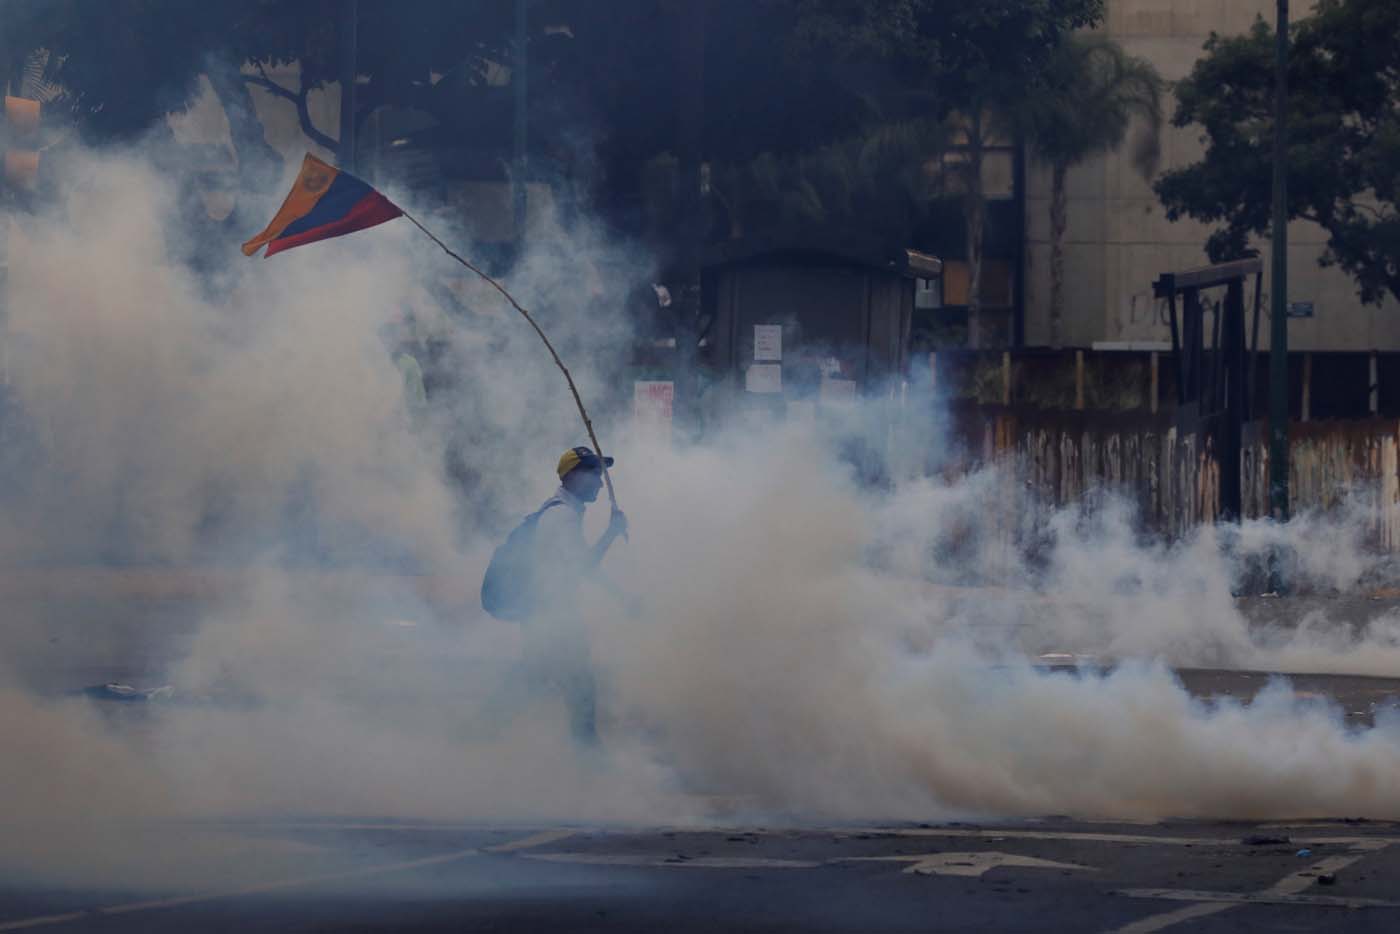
1118 239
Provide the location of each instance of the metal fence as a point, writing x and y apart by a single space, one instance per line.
1169 469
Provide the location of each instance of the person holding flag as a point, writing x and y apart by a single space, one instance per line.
541 581
325 202
543 560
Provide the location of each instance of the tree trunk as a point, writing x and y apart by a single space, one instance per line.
1058 222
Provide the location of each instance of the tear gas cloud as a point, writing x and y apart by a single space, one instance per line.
801 645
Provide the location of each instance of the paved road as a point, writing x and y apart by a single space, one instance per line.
1048 875
1051 875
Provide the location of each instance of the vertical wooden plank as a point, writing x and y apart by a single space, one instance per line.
1375 385
1006 377
1152 390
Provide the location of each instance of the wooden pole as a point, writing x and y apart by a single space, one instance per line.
1278 322
578 401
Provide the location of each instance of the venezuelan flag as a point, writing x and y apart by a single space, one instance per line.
325 202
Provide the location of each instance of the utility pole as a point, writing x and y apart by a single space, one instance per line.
349 70
1278 332
690 21
519 82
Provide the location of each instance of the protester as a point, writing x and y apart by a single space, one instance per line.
534 579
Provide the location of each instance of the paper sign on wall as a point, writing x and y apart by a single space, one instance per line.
768 342
652 401
764 377
653 398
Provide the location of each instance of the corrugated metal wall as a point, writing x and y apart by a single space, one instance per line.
1172 473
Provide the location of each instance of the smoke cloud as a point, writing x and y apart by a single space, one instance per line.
806 642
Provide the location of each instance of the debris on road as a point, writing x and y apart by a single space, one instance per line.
114 691
1264 840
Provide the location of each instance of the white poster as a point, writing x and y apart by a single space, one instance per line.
764 377
767 342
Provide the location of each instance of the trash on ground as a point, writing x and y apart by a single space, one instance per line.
1264 840
115 691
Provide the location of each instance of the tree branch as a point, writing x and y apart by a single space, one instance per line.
299 99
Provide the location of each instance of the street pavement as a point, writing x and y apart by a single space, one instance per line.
1045 875
736 873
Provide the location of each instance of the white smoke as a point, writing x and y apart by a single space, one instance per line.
805 642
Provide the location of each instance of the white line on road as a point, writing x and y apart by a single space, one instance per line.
539 839
1258 898
42 921
996 834
991 833
964 864
152 904
647 860
1210 903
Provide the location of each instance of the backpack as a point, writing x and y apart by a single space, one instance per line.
508 589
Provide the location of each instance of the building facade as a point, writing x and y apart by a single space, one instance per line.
1118 239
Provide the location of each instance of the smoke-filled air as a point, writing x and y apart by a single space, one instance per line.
799 638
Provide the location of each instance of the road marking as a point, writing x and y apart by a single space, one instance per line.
1144 839
1289 887
177 901
288 883
1258 898
1154 923
964 864
534 840
992 834
675 862
42 921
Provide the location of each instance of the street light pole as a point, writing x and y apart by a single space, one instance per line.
1278 332
519 82
349 70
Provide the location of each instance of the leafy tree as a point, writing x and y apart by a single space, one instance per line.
1092 92
125 64
1343 139
970 63
875 183
952 47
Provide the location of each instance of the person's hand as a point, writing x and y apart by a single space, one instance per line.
617 525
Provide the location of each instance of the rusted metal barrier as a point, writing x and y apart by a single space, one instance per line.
1169 469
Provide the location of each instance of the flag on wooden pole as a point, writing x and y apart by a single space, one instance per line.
323 203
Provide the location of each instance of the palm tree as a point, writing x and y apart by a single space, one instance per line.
1094 91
